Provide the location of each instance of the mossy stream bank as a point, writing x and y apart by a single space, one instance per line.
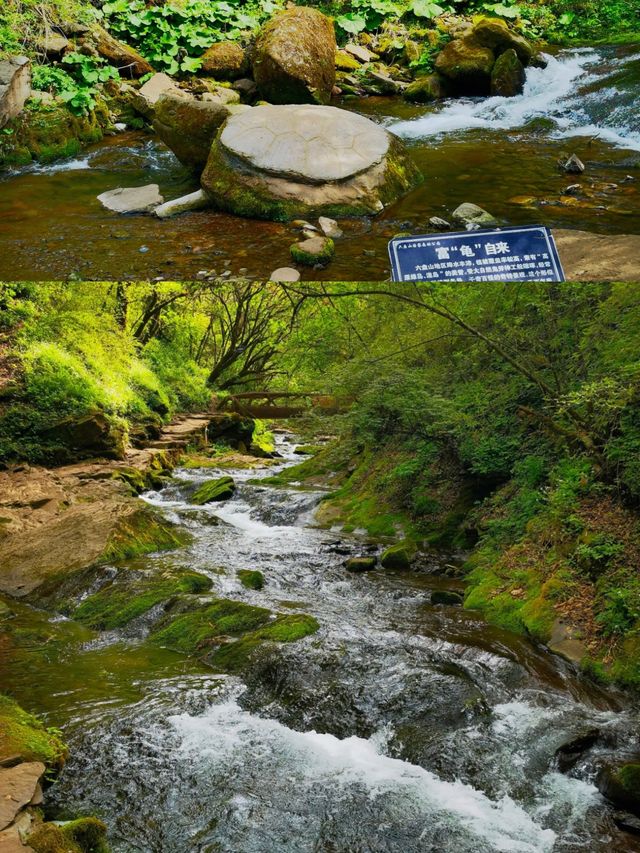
185 691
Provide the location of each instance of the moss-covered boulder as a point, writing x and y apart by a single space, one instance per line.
289 162
26 737
214 491
294 58
447 597
226 60
315 251
50 132
467 65
621 785
360 564
86 835
424 90
251 579
188 127
89 435
399 556
508 75
132 594
495 34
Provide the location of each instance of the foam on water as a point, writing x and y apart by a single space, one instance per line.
226 734
556 92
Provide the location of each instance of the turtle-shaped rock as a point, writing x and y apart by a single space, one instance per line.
284 162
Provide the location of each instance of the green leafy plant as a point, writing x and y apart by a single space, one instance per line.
174 35
77 87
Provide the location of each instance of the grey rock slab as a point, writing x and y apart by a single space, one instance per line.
315 144
10 842
193 201
132 199
18 785
362 54
160 84
285 274
471 214
330 227
15 87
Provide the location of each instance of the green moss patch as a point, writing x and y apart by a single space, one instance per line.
86 835
25 735
285 629
214 491
143 532
399 556
119 603
251 579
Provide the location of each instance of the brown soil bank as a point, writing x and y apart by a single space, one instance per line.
599 257
53 521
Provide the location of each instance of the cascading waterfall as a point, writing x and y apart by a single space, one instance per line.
584 92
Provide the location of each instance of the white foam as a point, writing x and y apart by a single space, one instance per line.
226 735
550 92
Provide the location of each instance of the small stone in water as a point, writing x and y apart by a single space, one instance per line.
572 189
439 224
330 227
143 249
574 165
285 274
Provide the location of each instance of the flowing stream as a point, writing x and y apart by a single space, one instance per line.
500 153
400 726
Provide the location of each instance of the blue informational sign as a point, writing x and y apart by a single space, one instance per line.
523 253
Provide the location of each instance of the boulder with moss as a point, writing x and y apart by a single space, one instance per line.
251 578
214 491
288 162
424 90
294 57
621 785
467 65
495 34
25 737
508 75
399 556
188 126
129 62
315 251
86 835
225 60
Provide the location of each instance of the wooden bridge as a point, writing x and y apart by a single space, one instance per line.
273 405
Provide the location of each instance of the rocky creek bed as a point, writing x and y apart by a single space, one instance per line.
390 723
501 153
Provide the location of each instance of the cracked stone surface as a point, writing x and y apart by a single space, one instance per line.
315 144
18 785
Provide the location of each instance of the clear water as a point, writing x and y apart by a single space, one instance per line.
499 153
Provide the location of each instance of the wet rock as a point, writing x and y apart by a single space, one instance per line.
494 33
146 97
538 60
222 95
53 45
361 53
398 556
11 842
125 58
384 84
568 755
621 785
330 227
15 87
468 65
360 564
18 786
294 58
132 199
345 62
285 274
427 89
574 165
564 642
232 429
508 75
472 216
188 127
627 822
214 491
447 597
283 162
225 60
246 88
93 434
439 224
197 200
314 251
251 579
